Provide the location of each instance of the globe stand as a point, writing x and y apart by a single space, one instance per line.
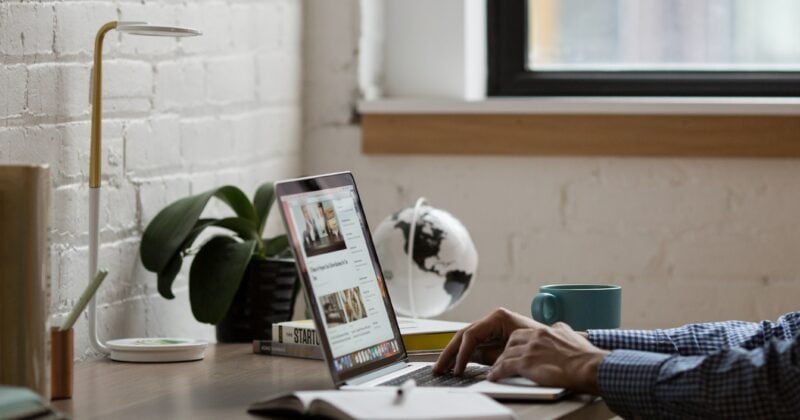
411 239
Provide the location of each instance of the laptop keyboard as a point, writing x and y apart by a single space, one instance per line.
425 377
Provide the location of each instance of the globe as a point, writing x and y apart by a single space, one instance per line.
433 273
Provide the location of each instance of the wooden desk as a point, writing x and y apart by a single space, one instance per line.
225 383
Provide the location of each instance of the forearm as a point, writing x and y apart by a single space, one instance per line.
698 339
734 382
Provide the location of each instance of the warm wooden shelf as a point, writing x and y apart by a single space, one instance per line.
581 134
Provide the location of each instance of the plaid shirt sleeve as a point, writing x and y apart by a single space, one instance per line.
717 370
699 339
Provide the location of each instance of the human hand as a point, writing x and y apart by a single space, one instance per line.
494 329
551 356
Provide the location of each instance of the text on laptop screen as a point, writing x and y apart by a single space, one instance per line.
351 299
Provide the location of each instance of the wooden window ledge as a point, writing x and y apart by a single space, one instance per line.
722 127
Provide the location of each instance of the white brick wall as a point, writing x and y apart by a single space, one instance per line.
27 29
181 116
688 239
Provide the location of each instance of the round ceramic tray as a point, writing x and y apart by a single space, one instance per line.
149 350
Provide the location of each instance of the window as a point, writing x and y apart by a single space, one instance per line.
644 47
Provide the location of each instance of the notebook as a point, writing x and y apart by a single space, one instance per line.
421 403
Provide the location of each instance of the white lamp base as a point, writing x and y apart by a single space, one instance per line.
157 350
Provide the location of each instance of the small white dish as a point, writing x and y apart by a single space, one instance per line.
157 350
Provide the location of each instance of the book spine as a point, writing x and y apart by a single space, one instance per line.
302 351
295 335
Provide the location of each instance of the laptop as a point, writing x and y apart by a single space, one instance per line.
347 294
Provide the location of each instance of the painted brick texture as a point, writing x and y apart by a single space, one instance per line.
180 116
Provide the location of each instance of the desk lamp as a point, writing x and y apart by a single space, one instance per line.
95 157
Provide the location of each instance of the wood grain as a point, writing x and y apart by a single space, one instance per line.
225 383
583 135
62 362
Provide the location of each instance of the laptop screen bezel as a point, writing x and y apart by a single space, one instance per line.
318 183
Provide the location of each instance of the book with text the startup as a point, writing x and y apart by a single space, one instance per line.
419 335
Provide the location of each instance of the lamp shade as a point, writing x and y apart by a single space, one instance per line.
138 28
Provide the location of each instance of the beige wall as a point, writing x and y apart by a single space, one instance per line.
688 239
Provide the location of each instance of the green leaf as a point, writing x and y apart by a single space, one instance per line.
215 276
169 229
167 276
276 245
196 231
172 225
238 201
263 200
242 227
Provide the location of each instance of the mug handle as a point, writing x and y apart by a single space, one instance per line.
544 308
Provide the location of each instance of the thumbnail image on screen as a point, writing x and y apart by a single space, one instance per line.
342 307
321 229
353 304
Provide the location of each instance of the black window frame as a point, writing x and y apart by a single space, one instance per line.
508 74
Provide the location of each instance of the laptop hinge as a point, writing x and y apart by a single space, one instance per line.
362 379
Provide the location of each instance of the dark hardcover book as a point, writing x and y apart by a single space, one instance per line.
303 351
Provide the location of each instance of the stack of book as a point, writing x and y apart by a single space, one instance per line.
299 338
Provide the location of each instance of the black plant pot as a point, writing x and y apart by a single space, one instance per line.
265 296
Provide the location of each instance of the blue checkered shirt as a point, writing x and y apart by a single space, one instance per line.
731 369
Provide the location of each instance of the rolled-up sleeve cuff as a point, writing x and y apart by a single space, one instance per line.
627 382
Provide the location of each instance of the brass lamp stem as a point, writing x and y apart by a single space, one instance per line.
95 156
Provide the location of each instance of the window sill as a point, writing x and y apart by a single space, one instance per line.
729 127
587 105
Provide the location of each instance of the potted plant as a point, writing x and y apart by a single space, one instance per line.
235 281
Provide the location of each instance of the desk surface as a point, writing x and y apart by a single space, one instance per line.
226 382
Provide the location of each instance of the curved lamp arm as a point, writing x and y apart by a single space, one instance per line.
95 160
97 107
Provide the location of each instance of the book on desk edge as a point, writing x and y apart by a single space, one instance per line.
419 335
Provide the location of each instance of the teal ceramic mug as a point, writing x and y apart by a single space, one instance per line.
581 306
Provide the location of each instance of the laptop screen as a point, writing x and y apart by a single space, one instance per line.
334 251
